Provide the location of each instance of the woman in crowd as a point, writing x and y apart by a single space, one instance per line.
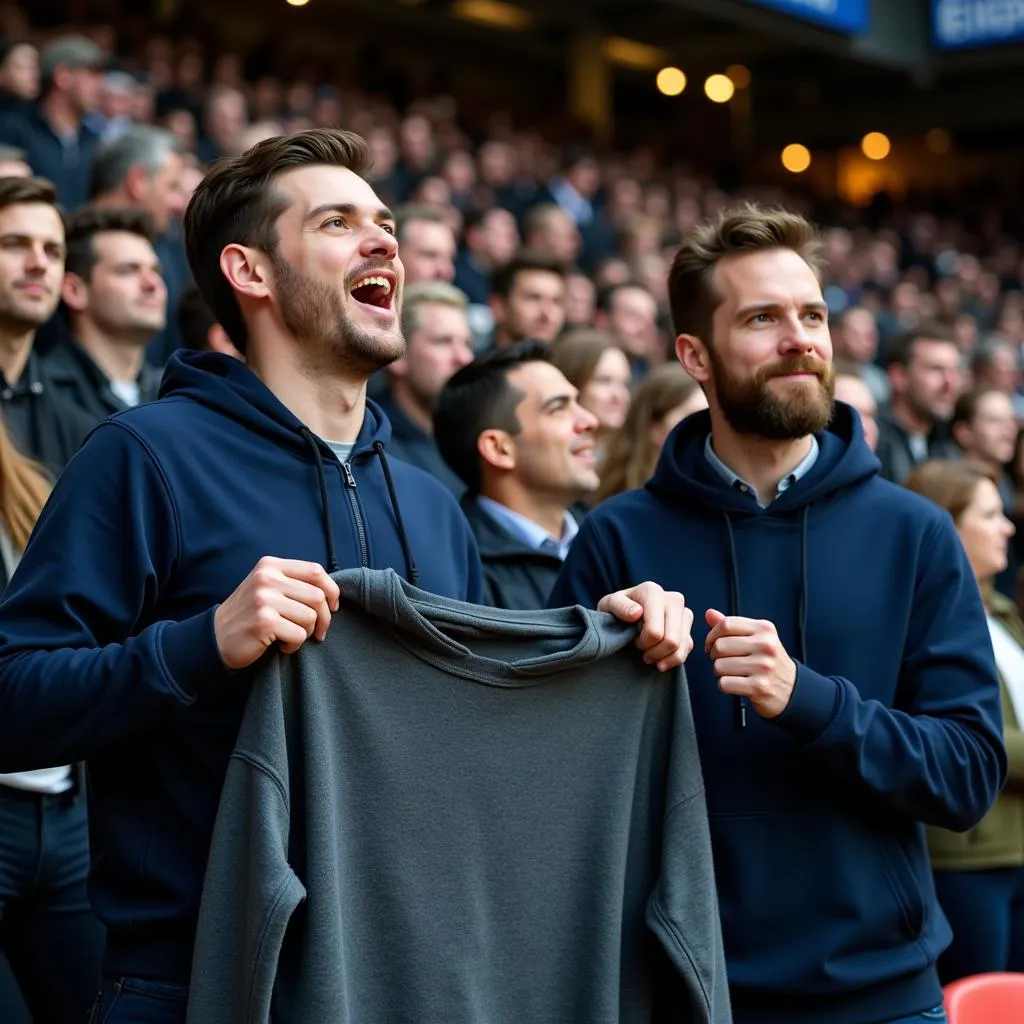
599 370
52 941
665 396
979 875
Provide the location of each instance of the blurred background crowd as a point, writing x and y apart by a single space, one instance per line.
523 217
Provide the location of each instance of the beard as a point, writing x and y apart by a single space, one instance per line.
751 407
313 312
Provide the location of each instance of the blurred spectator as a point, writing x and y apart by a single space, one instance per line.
510 426
630 312
997 362
426 244
979 874
550 229
851 388
144 167
116 302
43 425
580 300
665 397
198 326
19 74
224 118
925 377
437 342
598 369
491 239
50 937
113 115
575 190
53 132
855 337
14 163
258 131
985 428
528 300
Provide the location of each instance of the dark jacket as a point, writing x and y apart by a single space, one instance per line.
411 444
516 576
69 167
44 425
893 448
107 643
78 379
828 905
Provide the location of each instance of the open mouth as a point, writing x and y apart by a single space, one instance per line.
376 291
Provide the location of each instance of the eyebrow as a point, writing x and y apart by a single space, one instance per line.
348 209
767 307
555 400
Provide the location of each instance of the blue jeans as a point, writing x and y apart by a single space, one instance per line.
985 909
52 941
140 1001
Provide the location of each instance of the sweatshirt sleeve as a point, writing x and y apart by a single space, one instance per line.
249 895
82 661
937 755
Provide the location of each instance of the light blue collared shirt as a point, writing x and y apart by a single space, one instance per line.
805 466
526 530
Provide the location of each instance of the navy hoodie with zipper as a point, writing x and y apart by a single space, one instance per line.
107 642
826 895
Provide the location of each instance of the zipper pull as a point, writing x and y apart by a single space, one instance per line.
350 479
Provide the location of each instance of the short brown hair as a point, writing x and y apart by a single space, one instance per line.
505 277
951 483
237 202
743 229
966 408
15 191
901 350
89 221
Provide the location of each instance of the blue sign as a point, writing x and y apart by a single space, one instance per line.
959 23
849 16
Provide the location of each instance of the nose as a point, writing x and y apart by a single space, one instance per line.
37 260
380 243
1009 527
585 421
463 355
795 336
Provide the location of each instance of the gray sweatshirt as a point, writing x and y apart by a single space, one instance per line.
448 814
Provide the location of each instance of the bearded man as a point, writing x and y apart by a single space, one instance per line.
846 693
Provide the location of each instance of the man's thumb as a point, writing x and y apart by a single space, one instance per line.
713 617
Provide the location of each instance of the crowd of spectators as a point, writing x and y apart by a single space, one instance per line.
508 239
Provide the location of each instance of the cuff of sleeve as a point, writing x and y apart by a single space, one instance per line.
811 707
191 657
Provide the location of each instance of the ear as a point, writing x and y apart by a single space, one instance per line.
247 271
497 304
693 355
897 377
135 182
497 449
75 293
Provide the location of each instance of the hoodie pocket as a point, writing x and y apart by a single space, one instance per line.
812 901
905 888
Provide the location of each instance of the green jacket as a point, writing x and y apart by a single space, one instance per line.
998 839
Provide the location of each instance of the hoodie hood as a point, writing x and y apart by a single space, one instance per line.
229 387
683 473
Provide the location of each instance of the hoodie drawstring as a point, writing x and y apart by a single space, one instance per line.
325 507
414 573
734 592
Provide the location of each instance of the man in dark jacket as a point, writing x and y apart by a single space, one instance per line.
511 427
53 133
846 690
43 424
115 301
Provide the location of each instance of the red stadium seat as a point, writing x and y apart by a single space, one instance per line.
986 999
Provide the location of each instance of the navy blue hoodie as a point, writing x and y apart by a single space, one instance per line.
107 644
828 908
